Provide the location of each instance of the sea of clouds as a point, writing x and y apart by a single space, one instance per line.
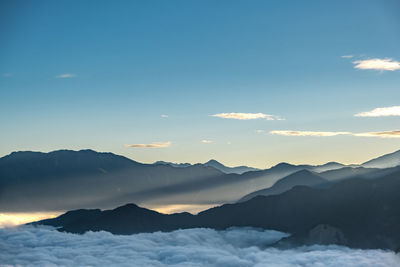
44 246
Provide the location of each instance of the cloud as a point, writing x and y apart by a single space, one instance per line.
347 56
377 64
246 116
260 131
242 247
381 112
152 145
164 116
66 75
206 141
308 133
386 134
6 75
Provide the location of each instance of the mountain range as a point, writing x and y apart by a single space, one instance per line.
67 180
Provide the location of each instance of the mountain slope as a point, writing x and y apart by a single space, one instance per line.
302 177
385 161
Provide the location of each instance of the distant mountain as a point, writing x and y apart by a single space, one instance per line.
176 165
302 177
212 163
356 212
225 169
385 161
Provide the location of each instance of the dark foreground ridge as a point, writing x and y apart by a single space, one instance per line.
356 212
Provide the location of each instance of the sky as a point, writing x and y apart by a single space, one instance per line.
243 82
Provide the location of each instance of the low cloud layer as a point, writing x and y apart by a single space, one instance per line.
246 116
381 112
193 247
386 64
205 141
385 134
152 145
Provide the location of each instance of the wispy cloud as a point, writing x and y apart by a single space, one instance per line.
152 145
260 131
384 134
308 133
377 64
6 75
246 116
387 134
206 141
347 56
381 112
66 75
164 116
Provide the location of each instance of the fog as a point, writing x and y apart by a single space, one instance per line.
44 246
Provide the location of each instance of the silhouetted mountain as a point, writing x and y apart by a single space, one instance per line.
385 161
302 177
356 212
127 219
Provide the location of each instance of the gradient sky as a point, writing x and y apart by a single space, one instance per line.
91 74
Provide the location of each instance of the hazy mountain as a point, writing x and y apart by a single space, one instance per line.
385 161
176 165
356 212
60 180
65 180
212 163
225 169
302 177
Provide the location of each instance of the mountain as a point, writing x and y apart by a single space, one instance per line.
176 165
357 213
212 163
225 169
302 177
65 179
127 219
385 161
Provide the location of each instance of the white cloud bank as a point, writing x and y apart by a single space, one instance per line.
381 112
377 64
246 116
204 141
152 145
384 134
66 75
244 247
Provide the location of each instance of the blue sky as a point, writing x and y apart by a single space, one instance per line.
100 75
